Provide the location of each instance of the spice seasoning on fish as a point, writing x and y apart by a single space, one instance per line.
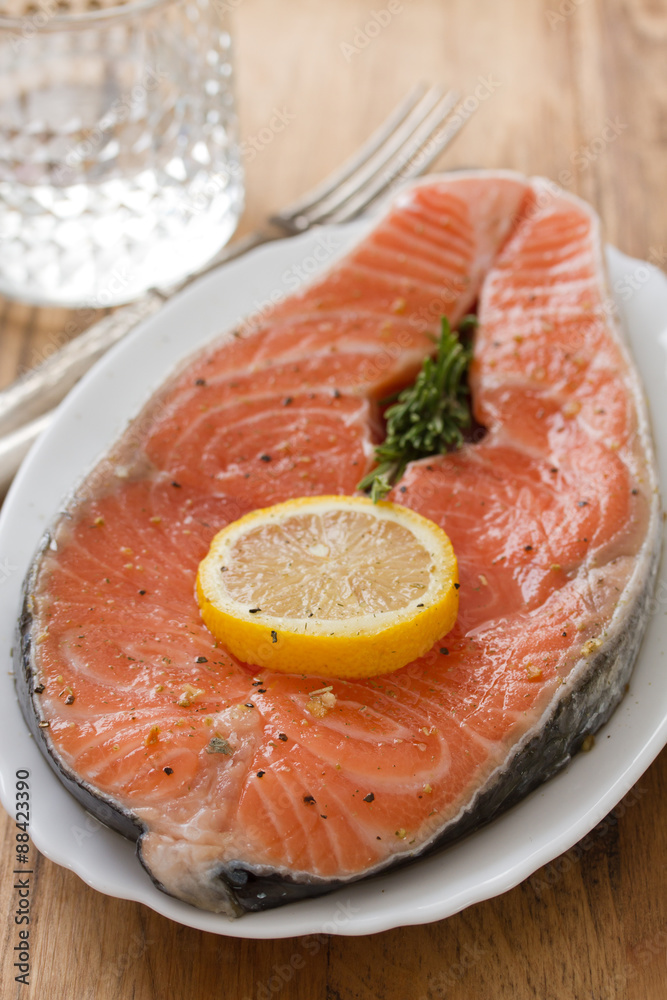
152 737
219 745
440 492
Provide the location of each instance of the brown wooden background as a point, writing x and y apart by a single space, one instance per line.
593 924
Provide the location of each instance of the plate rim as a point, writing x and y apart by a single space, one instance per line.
299 919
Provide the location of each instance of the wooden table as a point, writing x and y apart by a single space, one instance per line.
576 91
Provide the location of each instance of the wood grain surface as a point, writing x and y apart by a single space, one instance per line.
576 90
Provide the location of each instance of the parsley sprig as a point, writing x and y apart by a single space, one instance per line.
428 416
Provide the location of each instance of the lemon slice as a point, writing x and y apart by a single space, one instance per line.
332 585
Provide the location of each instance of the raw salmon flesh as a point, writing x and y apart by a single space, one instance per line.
238 796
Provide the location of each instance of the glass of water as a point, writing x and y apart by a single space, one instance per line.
119 155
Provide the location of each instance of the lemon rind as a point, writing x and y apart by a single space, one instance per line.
357 646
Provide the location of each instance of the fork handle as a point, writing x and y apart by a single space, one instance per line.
16 445
42 388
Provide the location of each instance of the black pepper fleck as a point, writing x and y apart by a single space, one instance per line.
369 798
200 381
177 485
39 688
260 774
141 593
456 586
265 458
287 400
281 736
253 611
444 651
528 548
274 636
309 800
168 770
201 659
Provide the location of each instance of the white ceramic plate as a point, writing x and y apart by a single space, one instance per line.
489 862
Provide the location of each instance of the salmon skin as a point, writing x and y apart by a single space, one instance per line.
238 796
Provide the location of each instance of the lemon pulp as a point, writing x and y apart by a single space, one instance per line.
335 585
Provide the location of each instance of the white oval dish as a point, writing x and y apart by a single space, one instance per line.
490 861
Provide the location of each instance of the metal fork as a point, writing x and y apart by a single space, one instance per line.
402 148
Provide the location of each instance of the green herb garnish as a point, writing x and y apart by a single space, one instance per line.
428 416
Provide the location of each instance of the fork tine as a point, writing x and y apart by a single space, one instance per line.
403 165
395 143
439 143
358 158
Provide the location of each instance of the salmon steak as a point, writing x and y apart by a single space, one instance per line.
238 795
